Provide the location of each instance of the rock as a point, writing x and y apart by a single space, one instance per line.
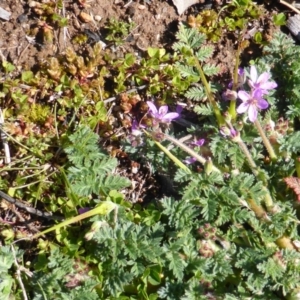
293 24
4 14
84 17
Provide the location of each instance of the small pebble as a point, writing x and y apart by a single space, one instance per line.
4 14
98 18
84 17
22 18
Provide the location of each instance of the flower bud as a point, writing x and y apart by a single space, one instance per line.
229 95
208 167
225 131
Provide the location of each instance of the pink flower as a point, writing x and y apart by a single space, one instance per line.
135 137
251 103
135 128
190 160
198 143
241 79
161 115
261 82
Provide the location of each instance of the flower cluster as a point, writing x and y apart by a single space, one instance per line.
160 115
252 101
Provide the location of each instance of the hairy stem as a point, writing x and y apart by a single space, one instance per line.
265 140
209 94
297 165
190 151
267 198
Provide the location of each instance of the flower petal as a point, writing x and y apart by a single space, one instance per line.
83 210
257 94
163 110
190 160
253 73
263 78
244 96
152 107
179 109
268 85
262 104
169 117
198 143
243 107
241 72
252 113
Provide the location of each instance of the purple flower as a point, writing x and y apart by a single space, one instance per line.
229 132
179 109
251 103
161 115
198 143
190 160
135 128
135 137
83 210
261 82
241 79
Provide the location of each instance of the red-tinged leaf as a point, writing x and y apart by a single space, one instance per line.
294 184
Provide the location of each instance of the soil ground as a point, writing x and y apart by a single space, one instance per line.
156 22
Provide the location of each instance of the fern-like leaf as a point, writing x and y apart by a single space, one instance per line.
188 37
196 93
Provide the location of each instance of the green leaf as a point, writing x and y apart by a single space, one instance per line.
204 53
156 52
203 109
176 264
258 37
8 67
209 206
5 286
100 114
279 19
6 259
27 76
129 60
196 93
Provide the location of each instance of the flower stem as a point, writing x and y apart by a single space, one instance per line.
209 94
265 140
245 150
190 151
297 165
232 106
232 109
267 198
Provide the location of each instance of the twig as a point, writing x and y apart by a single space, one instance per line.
28 225
29 209
127 92
19 273
128 3
182 140
2 56
290 6
4 139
